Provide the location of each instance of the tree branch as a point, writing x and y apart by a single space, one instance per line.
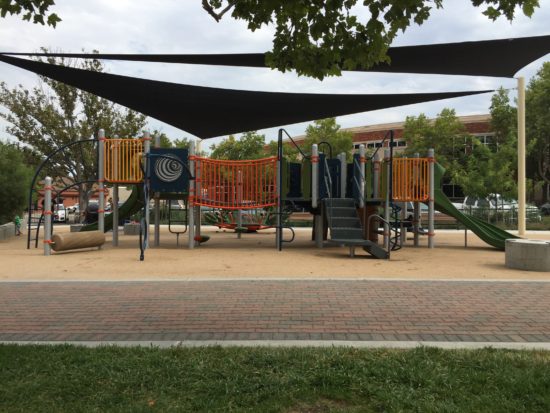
217 16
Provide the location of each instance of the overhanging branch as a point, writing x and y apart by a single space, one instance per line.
217 16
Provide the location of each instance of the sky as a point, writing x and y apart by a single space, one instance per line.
182 26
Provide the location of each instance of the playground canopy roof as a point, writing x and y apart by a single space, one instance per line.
501 58
209 112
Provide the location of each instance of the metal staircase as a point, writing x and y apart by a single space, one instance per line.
345 227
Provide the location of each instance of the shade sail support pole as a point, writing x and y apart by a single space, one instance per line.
521 156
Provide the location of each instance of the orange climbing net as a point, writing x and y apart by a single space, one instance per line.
235 184
411 179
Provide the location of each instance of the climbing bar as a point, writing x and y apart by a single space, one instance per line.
410 179
122 160
236 184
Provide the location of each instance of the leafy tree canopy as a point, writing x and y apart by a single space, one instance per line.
249 146
15 177
327 130
446 135
492 169
537 102
480 169
321 38
323 130
54 114
35 10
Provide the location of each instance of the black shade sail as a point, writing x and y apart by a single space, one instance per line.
209 112
500 58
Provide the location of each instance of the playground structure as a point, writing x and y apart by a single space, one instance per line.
351 200
356 202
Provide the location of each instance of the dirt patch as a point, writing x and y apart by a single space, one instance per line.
254 256
322 406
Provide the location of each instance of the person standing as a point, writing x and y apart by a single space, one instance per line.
17 225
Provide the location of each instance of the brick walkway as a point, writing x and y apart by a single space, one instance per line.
276 310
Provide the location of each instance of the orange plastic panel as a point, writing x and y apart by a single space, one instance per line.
410 179
122 160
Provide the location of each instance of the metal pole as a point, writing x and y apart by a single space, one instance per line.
114 207
521 156
101 182
156 241
402 229
343 174
416 206
279 231
317 218
191 203
431 215
314 175
387 202
239 201
376 177
147 151
362 161
197 208
47 216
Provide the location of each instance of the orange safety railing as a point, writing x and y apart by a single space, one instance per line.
122 160
235 184
410 179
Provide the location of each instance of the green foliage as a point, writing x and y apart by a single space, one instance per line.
31 9
249 146
493 170
15 177
327 130
165 141
479 169
263 379
321 38
446 135
537 102
181 143
54 114
324 130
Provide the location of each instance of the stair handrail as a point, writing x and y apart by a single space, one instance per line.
389 247
328 186
178 233
357 184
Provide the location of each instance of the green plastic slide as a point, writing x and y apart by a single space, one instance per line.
132 205
490 234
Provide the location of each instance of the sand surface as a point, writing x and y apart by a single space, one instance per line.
254 256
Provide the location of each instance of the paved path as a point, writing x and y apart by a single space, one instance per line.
276 310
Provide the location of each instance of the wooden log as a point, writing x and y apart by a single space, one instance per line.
77 240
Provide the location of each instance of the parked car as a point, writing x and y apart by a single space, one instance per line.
90 214
496 207
472 202
59 213
73 209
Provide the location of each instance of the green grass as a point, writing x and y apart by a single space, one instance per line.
212 379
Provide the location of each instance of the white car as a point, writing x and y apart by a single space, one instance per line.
59 213
495 203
